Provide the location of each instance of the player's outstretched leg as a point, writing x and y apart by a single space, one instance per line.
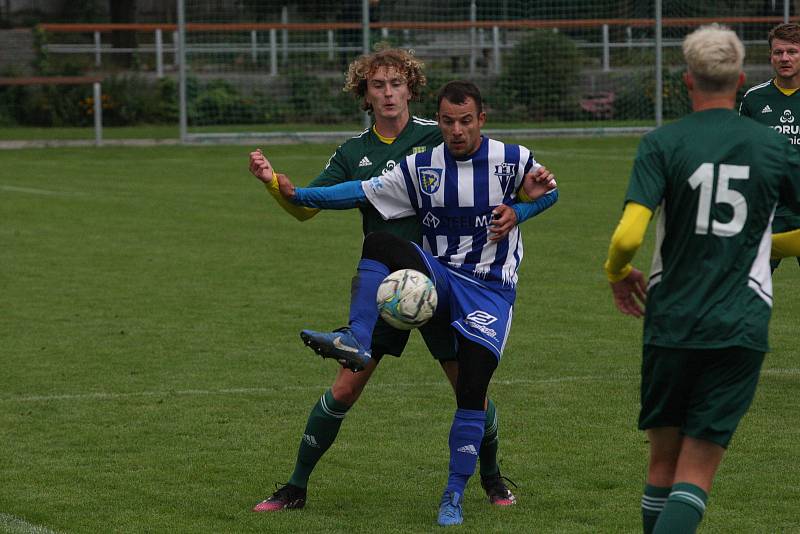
341 345
349 345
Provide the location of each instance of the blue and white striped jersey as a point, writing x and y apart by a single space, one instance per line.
454 199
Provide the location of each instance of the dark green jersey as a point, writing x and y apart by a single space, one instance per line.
365 156
765 103
717 178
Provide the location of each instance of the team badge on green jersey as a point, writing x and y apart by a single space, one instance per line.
430 179
418 150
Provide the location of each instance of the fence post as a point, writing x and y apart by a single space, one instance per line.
606 51
365 44
785 11
183 120
98 114
473 16
273 52
330 45
285 33
496 49
254 45
159 54
97 53
659 104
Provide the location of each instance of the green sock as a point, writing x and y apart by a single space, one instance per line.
321 429
490 443
653 502
683 511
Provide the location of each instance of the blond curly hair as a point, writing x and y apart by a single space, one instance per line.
403 61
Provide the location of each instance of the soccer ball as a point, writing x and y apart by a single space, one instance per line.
406 299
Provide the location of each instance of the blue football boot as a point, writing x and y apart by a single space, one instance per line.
450 512
341 345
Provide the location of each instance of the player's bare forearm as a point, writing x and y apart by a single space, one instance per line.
504 218
538 183
279 186
260 166
630 293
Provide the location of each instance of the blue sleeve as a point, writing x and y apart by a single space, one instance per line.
336 197
526 210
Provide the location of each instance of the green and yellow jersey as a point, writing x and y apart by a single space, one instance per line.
364 156
716 178
779 109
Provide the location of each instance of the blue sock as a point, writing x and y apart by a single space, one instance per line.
363 309
466 435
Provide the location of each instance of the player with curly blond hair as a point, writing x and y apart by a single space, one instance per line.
385 81
401 61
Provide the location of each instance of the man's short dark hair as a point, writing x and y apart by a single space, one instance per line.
785 32
459 91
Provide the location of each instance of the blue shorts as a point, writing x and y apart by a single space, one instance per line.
477 312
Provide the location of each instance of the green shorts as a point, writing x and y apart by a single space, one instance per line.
704 392
437 333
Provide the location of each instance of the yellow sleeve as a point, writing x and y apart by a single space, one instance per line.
626 240
786 244
301 213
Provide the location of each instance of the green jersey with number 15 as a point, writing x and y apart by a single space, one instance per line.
366 155
717 178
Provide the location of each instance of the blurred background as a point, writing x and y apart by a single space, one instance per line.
276 67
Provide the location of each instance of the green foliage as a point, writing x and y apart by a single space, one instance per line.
319 99
635 97
44 105
41 59
217 100
539 77
126 100
129 100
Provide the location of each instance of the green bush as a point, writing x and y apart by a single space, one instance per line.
217 102
130 100
319 100
635 98
539 77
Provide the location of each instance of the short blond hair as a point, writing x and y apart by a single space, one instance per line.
403 61
714 57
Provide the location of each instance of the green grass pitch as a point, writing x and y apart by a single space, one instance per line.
152 378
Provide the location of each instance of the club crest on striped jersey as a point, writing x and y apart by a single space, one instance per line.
430 179
505 172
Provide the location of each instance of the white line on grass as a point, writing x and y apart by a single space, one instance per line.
15 189
15 525
271 390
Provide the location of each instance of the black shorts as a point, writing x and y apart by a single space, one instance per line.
437 333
